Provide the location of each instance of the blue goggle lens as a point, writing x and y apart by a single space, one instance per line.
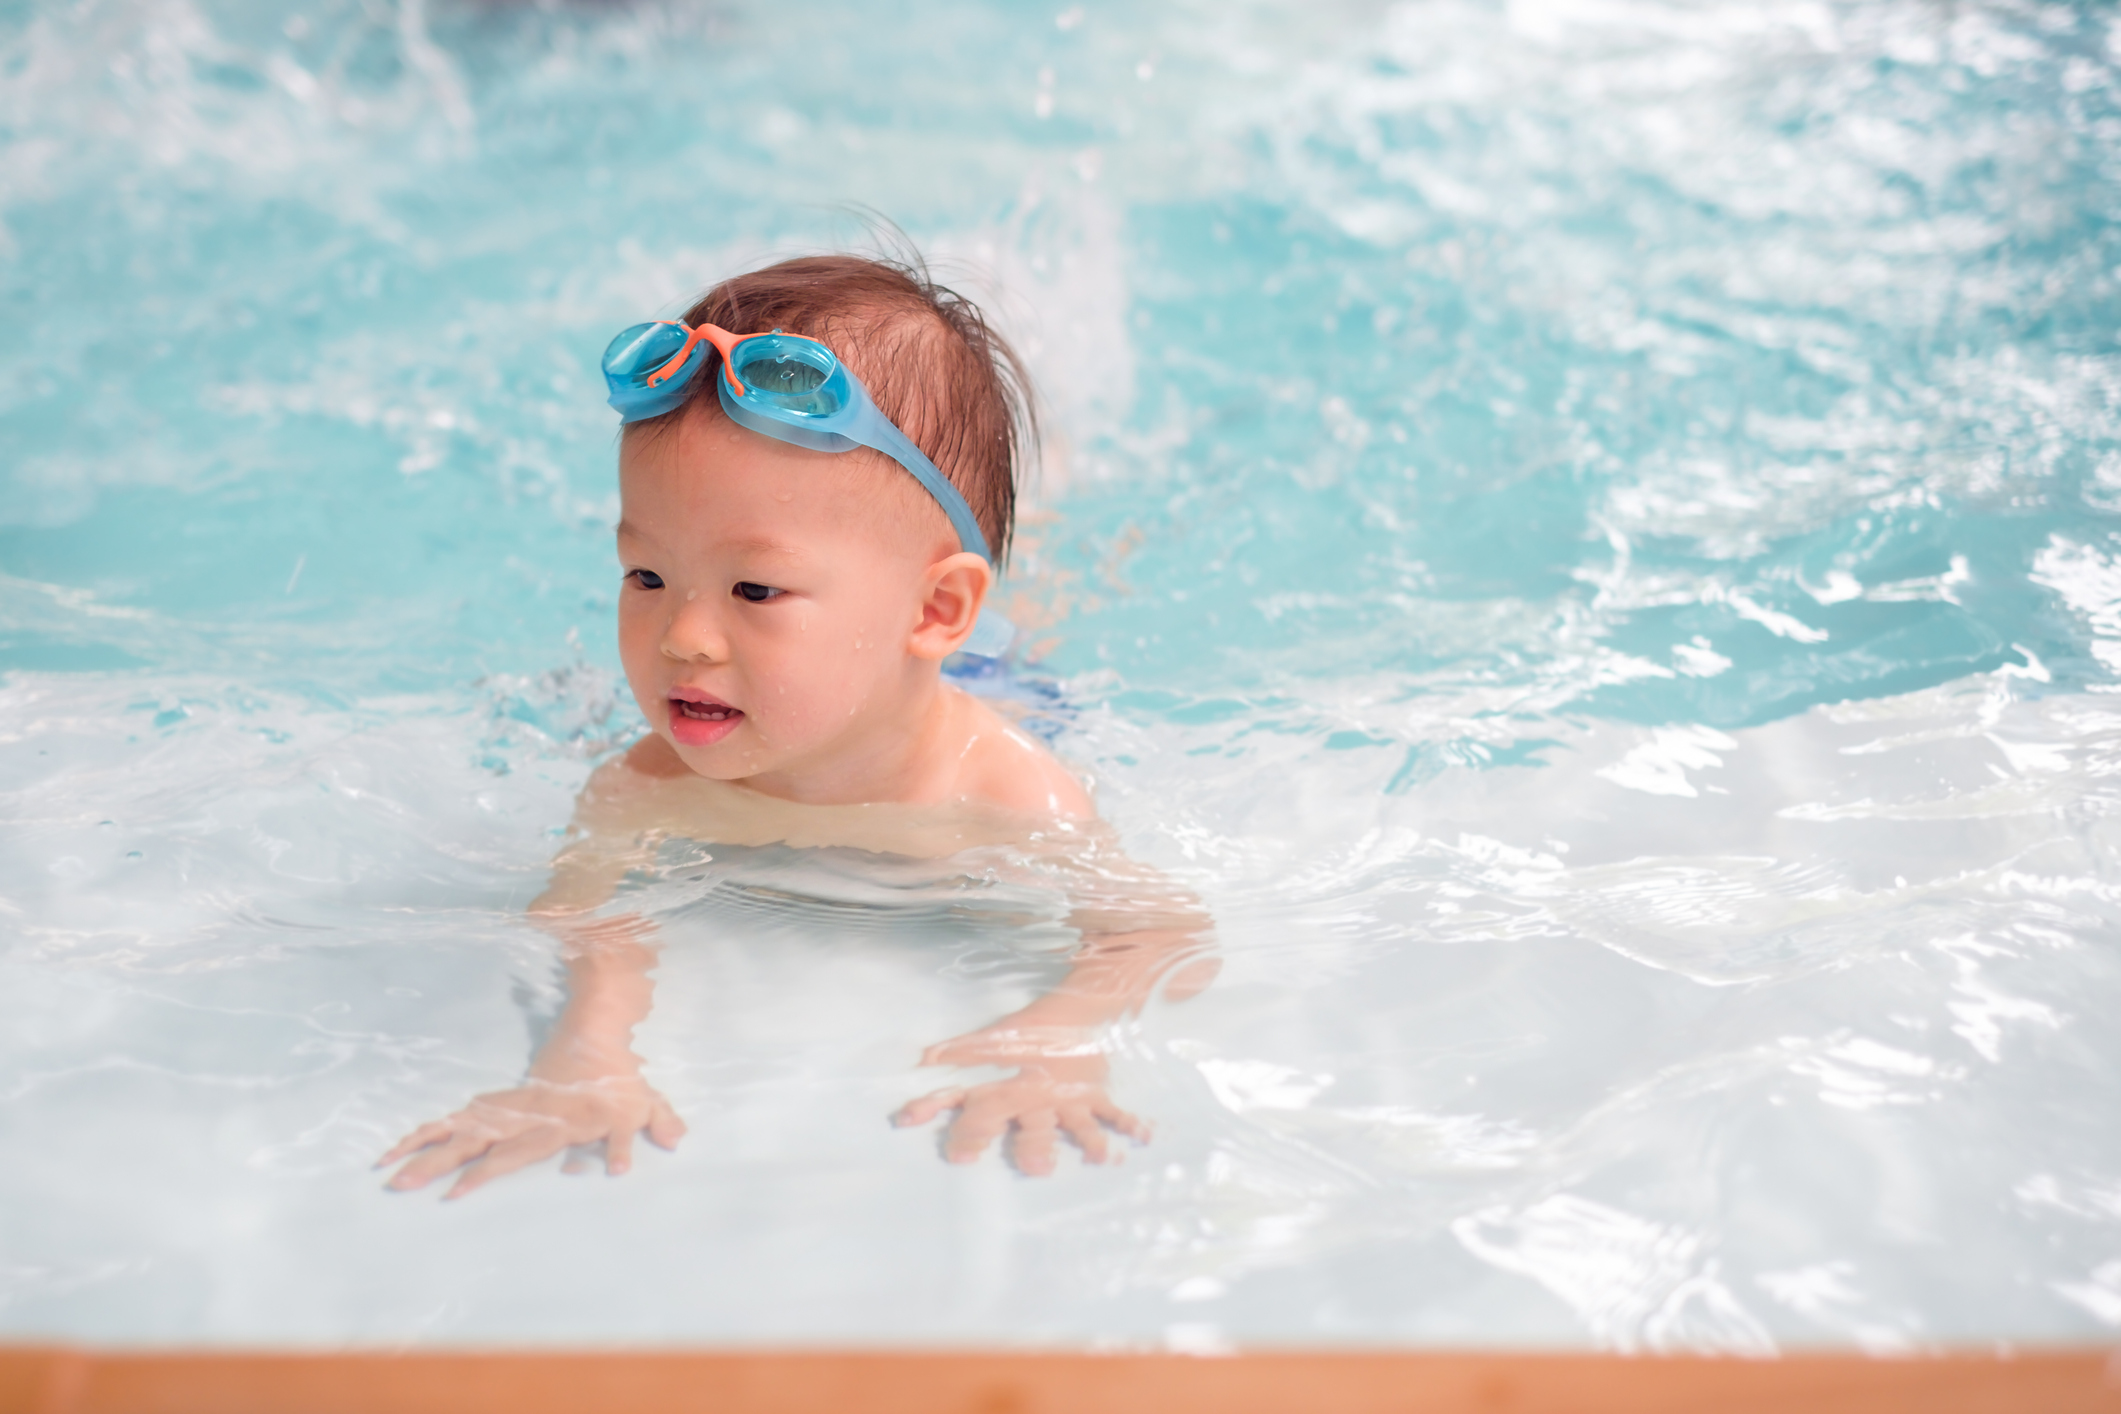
794 375
641 350
783 377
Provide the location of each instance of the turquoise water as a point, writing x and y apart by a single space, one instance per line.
1586 531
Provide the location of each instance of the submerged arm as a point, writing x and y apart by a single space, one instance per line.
1139 931
1111 977
585 1084
609 992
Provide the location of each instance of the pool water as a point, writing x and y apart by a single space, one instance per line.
1588 531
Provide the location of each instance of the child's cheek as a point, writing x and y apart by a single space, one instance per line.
633 638
808 696
639 657
788 695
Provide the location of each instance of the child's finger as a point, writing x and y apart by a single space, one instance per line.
431 1164
1123 1122
1037 1137
1088 1134
505 1158
978 1124
618 1152
432 1132
664 1126
927 1107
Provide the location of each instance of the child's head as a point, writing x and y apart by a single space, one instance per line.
799 601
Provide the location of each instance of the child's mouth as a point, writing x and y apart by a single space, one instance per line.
701 720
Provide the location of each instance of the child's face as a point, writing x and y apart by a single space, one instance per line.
772 616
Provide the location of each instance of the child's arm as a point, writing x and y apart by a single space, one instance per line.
585 1085
1137 931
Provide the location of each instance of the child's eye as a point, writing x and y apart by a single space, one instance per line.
755 593
647 579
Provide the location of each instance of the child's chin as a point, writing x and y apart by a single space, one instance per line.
712 765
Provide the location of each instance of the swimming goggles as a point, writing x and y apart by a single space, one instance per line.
783 385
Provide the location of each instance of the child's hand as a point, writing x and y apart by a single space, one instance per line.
1049 1097
501 1132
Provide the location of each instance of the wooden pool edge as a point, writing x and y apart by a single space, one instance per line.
65 1380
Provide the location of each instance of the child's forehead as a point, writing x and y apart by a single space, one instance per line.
746 541
744 491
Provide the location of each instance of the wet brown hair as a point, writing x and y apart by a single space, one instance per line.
925 353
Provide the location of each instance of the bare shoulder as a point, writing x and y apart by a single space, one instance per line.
613 825
649 759
619 790
1008 767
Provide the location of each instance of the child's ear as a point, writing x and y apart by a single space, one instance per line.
955 588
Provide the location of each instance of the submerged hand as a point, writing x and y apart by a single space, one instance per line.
501 1132
1049 1097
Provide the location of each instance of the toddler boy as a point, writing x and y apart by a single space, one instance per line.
817 478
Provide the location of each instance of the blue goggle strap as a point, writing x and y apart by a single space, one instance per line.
861 424
872 429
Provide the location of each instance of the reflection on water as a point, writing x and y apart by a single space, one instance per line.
1585 532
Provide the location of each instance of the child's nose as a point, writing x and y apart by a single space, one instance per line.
694 635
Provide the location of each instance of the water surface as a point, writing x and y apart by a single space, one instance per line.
1585 531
